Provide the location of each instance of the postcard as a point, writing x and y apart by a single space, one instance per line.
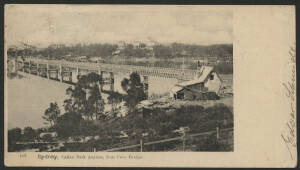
150 86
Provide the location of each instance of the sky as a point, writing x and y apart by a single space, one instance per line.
41 25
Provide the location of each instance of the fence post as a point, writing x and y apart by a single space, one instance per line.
141 143
61 73
218 132
183 141
29 67
37 69
47 71
70 75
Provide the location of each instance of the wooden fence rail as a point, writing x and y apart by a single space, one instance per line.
165 140
217 131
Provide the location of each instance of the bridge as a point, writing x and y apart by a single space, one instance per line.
68 72
63 68
142 70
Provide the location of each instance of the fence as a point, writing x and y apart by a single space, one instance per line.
181 143
182 138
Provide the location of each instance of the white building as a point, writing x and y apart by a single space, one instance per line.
205 85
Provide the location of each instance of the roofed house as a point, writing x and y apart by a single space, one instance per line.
205 86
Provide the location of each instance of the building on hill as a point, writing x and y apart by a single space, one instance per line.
205 86
96 59
116 53
81 59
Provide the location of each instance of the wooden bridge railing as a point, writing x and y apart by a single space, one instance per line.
143 70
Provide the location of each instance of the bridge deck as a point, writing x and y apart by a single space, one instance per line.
142 70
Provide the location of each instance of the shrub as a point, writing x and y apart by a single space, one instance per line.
224 68
210 143
47 138
68 125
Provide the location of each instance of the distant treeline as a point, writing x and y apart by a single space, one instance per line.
107 51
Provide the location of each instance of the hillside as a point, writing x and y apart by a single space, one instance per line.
108 51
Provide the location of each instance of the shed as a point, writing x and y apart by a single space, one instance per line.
206 85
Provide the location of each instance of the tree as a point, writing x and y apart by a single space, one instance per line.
68 105
68 124
89 81
51 114
14 135
114 99
95 104
39 131
85 98
134 89
29 134
11 52
47 138
59 51
78 98
161 51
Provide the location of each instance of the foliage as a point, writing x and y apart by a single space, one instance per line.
224 68
134 89
95 104
210 143
47 138
88 128
131 51
40 130
85 98
68 124
115 99
68 105
159 125
29 134
12 75
163 122
161 51
89 80
60 51
51 114
14 135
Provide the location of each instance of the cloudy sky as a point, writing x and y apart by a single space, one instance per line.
70 24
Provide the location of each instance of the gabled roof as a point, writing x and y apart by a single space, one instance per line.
200 78
176 89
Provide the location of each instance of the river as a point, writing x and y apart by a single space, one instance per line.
28 97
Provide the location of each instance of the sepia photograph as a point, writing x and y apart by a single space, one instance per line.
150 85
121 79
